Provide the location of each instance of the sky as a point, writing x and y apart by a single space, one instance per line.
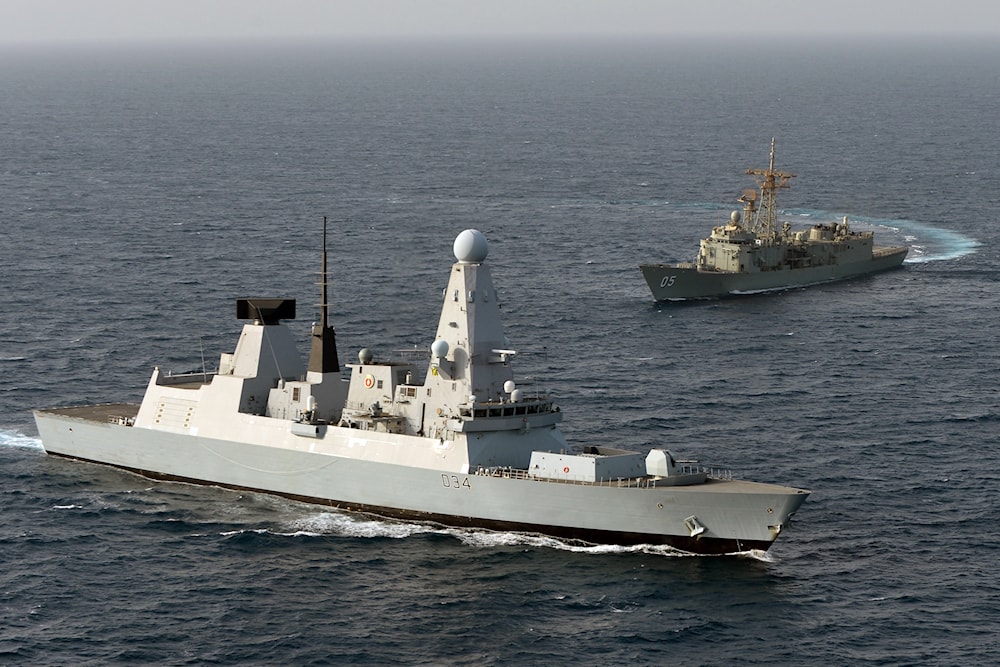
166 20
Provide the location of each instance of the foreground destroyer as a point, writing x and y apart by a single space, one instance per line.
456 442
751 254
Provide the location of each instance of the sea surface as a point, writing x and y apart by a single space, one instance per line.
144 188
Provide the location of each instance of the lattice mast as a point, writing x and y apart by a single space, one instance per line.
763 218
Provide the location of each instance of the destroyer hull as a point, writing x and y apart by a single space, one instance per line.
735 515
676 282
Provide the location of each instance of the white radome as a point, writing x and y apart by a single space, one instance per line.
471 247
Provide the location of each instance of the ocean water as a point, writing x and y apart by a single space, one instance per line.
143 188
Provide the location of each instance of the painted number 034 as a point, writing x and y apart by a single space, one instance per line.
455 482
668 281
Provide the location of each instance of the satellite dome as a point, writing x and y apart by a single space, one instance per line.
365 356
509 386
471 247
439 348
735 217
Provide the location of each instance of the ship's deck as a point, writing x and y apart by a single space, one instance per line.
885 251
103 413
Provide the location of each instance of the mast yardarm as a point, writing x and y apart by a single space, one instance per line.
764 220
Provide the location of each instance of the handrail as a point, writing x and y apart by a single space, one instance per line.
647 482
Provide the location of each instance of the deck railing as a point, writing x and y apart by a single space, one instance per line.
620 482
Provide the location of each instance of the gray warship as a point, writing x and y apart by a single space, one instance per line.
454 442
751 254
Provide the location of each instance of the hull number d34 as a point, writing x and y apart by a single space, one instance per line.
455 482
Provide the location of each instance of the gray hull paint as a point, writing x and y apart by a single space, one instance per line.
753 253
735 513
459 444
669 282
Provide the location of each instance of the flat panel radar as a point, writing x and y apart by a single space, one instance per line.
267 311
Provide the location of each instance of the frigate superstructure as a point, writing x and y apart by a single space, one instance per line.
752 254
454 441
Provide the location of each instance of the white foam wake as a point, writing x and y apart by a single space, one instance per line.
362 526
19 440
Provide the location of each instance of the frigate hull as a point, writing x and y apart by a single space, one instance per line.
736 515
753 253
669 282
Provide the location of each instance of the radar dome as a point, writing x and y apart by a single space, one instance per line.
439 348
471 247
509 386
735 217
365 356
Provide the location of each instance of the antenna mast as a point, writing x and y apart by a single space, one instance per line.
323 353
769 180
324 277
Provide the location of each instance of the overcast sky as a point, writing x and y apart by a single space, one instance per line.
117 20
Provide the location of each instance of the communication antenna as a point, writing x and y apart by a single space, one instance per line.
769 180
204 366
323 353
324 306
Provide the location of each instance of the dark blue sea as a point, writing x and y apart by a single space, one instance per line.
144 188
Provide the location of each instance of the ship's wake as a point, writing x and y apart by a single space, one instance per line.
361 526
927 243
932 244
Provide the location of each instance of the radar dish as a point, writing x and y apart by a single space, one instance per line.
748 195
471 247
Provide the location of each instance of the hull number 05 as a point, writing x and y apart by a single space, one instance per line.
668 281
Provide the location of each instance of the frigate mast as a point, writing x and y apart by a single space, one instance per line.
769 180
323 352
